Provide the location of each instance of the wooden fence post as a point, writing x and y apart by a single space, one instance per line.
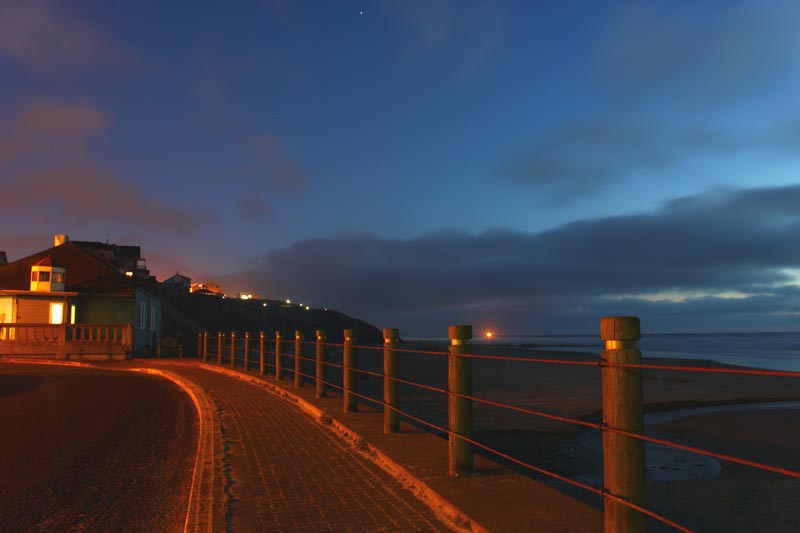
278 365
349 381
205 346
623 408
322 388
298 361
199 345
459 378
246 351
220 346
262 364
391 421
233 349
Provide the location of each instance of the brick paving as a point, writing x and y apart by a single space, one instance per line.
282 471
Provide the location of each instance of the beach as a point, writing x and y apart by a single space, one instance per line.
86 448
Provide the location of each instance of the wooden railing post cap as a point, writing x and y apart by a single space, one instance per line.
350 334
261 334
391 334
298 334
321 334
459 333
277 334
620 328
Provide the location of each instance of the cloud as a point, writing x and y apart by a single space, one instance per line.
43 37
581 158
49 175
700 53
468 32
710 246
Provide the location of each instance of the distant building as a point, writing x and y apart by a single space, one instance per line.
179 280
208 287
3 258
126 260
67 283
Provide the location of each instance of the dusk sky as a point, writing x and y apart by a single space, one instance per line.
523 166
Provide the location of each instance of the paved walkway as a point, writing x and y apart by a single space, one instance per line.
282 471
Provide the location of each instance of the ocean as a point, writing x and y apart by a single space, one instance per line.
774 350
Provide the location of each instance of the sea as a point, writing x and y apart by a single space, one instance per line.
773 350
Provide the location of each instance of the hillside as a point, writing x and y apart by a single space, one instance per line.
187 314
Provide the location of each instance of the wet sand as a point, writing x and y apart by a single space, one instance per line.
87 449
738 499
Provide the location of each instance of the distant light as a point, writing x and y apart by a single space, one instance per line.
306 308
301 304
246 296
489 334
129 274
264 305
288 301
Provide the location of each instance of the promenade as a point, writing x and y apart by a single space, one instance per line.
272 458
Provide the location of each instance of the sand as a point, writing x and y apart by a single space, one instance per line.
86 449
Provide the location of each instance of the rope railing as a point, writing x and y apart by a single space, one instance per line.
456 391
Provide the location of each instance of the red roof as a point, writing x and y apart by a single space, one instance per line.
46 262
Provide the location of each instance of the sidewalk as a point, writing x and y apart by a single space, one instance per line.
285 470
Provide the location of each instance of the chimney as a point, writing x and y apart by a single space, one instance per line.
60 239
3 258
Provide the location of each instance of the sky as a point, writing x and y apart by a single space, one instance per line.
522 166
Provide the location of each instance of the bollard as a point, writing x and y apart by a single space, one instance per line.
158 350
459 379
298 361
322 388
623 399
391 421
349 378
262 364
220 346
233 349
180 351
205 346
246 351
199 345
278 366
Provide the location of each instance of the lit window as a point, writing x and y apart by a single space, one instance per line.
56 313
58 277
141 315
71 314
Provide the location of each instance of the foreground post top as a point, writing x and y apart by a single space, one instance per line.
349 334
391 334
277 334
321 334
460 333
298 334
620 328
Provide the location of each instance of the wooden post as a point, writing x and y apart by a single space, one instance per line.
298 361
278 365
233 349
262 364
350 383
220 346
205 346
180 351
459 378
623 401
246 351
322 388
391 421
199 345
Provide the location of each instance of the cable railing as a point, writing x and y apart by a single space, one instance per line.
620 366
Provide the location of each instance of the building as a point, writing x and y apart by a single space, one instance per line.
126 260
210 288
179 280
67 283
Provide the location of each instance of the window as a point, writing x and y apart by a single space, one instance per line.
152 318
35 275
141 316
58 277
44 276
71 314
56 313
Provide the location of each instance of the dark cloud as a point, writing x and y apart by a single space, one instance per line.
44 37
582 158
700 53
726 250
50 177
